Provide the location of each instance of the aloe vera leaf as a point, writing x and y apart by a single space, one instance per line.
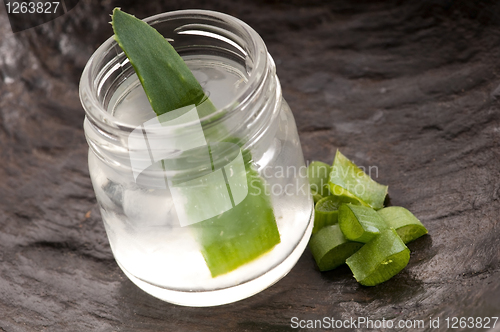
241 234
249 229
380 259
330 248
350 177
407 226
168 82
318 174
360 223
326 210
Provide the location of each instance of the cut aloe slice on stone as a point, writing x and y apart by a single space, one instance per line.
330 248
336 190
318 174
380 259
346 175
360 223
407 226
316 197
326 210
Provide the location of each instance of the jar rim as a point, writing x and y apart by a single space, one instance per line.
253 43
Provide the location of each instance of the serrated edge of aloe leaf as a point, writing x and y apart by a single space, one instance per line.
161 70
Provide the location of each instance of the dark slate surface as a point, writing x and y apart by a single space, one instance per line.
411 87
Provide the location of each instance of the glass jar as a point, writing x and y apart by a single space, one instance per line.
200 208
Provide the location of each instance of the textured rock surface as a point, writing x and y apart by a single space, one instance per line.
411 87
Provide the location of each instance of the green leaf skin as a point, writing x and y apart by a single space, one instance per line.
330 248
316 197
360 223
407 226
346 175
249 229
336 190
380 259
166 79
241 234
318 174
326 210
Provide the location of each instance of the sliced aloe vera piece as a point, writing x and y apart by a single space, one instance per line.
380 259
404 222
356 182
326 210
336 190
318 174
249 229
316 197
330 248
360 223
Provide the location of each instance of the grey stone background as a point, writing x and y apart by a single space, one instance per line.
411 87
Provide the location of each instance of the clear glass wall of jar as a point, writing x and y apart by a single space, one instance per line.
135 165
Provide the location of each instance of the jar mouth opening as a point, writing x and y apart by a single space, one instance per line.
241 40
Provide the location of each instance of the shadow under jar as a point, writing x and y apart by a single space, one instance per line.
202 209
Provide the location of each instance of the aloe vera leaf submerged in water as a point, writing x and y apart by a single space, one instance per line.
240 234
249 229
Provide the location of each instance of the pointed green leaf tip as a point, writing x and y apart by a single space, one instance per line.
167 81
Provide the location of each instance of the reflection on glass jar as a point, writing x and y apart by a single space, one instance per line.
200 209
